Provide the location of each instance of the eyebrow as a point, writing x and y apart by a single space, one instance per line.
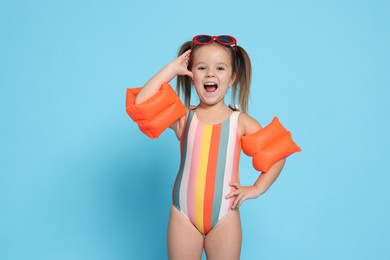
218 63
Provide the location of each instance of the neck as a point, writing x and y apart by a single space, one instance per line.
212 114
221 106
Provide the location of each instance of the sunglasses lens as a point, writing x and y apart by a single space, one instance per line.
225 39
204 39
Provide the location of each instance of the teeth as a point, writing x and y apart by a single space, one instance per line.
210 83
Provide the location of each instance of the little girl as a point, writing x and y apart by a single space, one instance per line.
207 193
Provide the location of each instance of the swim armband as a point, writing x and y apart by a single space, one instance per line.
157 113
269 145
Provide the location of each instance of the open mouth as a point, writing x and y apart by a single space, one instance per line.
210 86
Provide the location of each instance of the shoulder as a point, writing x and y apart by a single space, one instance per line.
247 125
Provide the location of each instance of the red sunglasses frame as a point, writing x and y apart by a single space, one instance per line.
214 38
233 44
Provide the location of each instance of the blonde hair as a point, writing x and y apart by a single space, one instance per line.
241 65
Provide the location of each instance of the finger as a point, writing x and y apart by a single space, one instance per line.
235 185
190 74
241 201
186 54
231 194
234 205
236 199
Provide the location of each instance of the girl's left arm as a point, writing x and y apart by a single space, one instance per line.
261 185
247 126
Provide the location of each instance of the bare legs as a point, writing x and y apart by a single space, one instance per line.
222 242
184 240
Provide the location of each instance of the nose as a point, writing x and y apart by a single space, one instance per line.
210 73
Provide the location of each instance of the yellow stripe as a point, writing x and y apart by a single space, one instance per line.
201 176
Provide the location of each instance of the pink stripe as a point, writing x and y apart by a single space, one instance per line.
236 161
194 170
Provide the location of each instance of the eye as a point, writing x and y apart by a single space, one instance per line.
220 68
201 68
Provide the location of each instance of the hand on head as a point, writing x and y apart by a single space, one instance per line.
181 64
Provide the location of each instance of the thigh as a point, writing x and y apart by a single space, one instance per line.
184 240
224 240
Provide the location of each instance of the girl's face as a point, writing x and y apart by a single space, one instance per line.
213 73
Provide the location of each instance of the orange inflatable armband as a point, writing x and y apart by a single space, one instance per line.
157 113
269 145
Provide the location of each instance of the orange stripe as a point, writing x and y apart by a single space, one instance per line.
210 178
201 176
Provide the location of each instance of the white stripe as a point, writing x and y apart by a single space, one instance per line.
187 165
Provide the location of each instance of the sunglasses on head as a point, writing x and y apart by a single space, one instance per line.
221 39
226 40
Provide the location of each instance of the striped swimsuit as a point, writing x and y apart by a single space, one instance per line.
210 157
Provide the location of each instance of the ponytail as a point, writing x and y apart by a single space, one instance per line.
243 70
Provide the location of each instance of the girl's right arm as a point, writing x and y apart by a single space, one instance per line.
166 74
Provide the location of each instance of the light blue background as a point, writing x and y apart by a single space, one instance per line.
79 181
